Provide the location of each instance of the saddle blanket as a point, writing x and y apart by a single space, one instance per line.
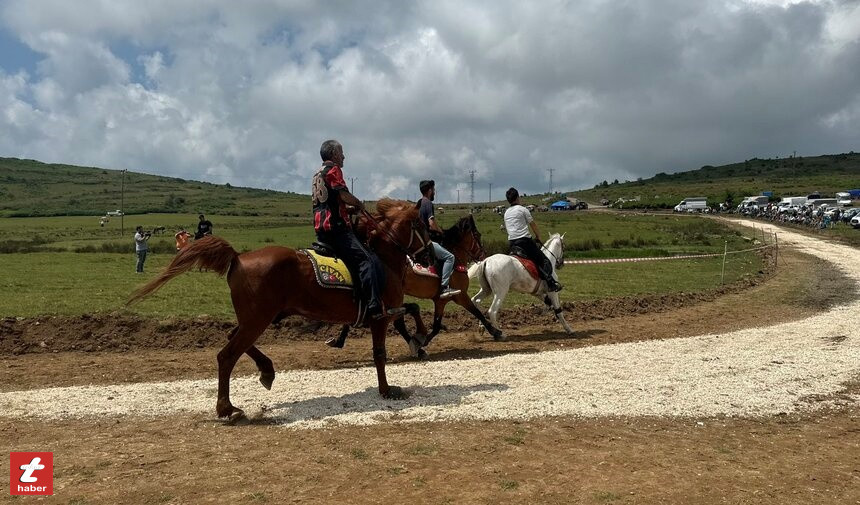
330 272
530 267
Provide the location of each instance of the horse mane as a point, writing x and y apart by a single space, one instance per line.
396 210
455 232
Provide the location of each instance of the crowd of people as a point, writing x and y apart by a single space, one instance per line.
805 215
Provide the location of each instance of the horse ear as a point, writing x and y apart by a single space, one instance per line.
563 234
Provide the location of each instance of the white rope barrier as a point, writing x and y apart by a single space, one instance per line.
661 258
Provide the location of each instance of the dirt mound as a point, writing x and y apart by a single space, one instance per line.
128 332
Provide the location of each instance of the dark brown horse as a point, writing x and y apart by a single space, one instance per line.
275 282
463 240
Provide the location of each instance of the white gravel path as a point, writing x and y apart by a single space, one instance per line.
753 372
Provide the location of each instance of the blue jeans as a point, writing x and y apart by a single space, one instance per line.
141 257
442 254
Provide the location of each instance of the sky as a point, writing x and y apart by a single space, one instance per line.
245 92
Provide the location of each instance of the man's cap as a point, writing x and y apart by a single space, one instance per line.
425 185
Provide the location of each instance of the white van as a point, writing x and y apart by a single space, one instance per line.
843 199
695 204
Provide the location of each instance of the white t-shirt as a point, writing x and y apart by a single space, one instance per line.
140 242
517 220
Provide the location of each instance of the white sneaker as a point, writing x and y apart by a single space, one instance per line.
447 292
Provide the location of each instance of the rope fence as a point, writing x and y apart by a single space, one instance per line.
663 258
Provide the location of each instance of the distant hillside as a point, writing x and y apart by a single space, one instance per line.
32 188
785 177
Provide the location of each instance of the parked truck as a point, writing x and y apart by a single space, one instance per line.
694 204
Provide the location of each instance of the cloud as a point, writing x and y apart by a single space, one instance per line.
245 93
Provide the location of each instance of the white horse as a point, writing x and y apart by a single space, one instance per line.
500 273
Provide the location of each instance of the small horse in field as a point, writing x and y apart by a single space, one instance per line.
500 273
463 240
275 282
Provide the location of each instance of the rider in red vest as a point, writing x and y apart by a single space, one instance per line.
333 228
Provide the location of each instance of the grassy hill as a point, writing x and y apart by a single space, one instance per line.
32 188
785 177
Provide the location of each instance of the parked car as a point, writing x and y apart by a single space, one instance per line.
580 205
855 221
849 214
116 212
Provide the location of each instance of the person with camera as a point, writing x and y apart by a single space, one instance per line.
204 227
141 246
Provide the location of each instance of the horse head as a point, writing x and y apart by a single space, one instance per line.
398 224
464 235
555 246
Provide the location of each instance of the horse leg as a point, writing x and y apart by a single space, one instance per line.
242 340
377 331
556 307
413 341
498 298
466 303
264 364
438 314
340 340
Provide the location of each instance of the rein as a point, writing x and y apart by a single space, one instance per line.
559 262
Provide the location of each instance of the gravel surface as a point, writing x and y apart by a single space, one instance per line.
790 367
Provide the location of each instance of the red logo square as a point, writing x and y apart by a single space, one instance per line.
31 473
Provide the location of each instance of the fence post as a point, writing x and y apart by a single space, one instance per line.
776 242
725 253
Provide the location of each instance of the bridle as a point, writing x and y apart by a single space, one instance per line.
476 252
559 261
417 227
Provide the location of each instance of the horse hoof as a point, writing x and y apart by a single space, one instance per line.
266 380
499 337
422 354
395 393
238 418
333 342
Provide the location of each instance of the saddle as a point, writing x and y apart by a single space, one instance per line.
330 272
529 265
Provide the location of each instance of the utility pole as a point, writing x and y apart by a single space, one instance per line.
490 197
458 196
352 184
550 170
472 196
122 205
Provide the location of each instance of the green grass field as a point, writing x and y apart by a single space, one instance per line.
68 282
31 188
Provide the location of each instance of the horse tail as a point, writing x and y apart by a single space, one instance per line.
479 271
209 253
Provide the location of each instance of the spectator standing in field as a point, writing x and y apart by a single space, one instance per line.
204 227
141 247
182 237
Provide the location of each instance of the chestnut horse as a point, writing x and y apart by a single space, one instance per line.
275 282
463 240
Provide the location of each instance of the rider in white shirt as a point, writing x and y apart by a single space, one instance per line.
520 226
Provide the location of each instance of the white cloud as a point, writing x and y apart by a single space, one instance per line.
245 92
